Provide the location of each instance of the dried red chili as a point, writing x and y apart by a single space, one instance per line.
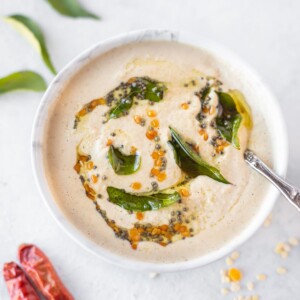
19 287
40 270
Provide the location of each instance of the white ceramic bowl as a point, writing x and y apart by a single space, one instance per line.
272 117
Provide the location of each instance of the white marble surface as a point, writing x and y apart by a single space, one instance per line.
264 33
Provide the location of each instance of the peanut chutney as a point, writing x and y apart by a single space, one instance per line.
144 151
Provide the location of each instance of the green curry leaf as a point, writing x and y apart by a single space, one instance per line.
139 88
141 202
229 119
190 162
23 80
71 8
121 108
32 31
154 91
123 164
242 107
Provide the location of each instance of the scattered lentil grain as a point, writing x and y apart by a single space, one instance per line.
281 270
224 291
250 286
229 261
152 275
235 287
261 277
293 241
235 274
235 255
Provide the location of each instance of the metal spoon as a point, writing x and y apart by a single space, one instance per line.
289 191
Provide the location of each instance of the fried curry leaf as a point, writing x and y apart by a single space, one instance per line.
122 108
123 164
190 162
154 90
242 107
137 88
32 31
229 119
71 8
141 203
23 80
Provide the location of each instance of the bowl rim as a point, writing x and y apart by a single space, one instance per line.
280 164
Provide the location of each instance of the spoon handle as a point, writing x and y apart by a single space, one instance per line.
289 191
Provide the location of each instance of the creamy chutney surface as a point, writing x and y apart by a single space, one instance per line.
144 151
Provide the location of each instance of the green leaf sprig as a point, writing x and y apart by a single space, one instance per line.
71 8
23 80
32 31
229 119
242 107
141 203
123 164
141 88
190 162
